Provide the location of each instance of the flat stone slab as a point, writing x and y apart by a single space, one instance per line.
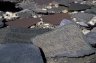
83 17
78 7
20 35
20 53
86 59
65 41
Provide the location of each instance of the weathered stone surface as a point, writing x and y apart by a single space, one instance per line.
83 17
65 41
20 53
86 59
91 37
25 13
20 35
78 7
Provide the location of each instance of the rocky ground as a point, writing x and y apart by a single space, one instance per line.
47 31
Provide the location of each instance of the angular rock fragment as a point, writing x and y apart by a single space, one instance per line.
65 41
20 53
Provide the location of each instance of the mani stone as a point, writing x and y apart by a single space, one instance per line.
64 41
20 53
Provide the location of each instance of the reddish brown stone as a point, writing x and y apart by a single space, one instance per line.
56 18
25 23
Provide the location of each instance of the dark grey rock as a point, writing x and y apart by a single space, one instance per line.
91 37
64 2
67 2
1 13
25 13
65 41
57 10
1 22
20 53
83 17
86 59
78 7
43 2
91 11
20 35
